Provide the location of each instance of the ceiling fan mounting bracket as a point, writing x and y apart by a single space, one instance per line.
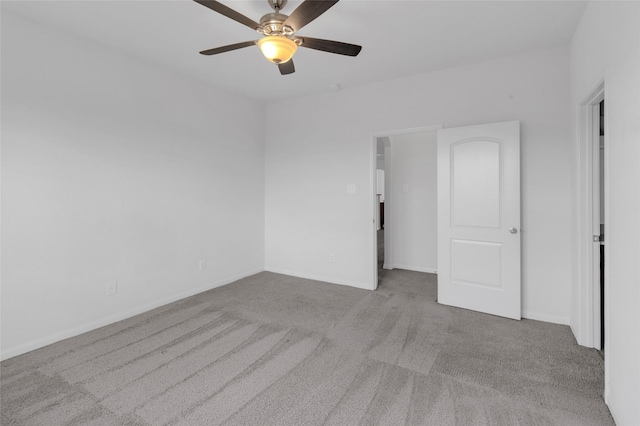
277 5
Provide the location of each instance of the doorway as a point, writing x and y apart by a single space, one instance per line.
590 297
380 154
405 223
599 185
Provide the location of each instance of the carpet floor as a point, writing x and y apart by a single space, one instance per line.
278 350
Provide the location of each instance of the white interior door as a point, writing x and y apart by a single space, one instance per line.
479 218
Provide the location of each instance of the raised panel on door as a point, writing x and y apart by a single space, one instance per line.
475 188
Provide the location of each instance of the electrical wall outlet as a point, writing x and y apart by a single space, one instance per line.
351 188
202 265
332 257
112 288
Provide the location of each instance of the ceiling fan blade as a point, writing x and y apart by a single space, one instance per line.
227 48
287 67
331 46
307 12
229 13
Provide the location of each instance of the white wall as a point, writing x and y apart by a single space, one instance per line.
309 213
606 46
413 205
115 170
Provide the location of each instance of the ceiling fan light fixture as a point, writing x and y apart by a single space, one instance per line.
277 49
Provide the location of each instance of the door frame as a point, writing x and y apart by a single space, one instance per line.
388 196
586 326
596 199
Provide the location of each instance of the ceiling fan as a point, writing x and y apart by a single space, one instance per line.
279 41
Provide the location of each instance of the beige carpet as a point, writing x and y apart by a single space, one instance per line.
277 350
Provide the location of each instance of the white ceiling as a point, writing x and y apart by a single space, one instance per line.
399 37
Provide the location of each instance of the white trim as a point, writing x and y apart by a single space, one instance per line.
417 268
582 321
373 189
75 331
609 399
595 221
545 317
381 134
607 215
388 203
364 286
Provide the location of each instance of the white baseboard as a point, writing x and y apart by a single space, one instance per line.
318 278
545 317
583 339
75 331
610 400
416 268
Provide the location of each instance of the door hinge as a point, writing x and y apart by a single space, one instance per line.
598 238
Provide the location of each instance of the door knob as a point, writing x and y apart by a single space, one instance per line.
513 230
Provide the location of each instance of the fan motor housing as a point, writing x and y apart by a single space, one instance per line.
273 24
